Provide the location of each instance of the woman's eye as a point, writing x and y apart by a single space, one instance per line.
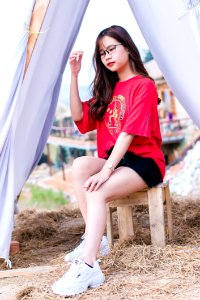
111 49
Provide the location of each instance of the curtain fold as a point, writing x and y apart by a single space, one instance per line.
13 58
36 103
172 31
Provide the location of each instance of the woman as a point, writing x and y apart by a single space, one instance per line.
124 112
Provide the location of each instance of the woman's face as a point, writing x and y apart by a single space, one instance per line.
113 55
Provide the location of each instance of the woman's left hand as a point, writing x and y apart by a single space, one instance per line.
96 180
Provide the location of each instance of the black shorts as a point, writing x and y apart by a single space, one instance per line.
144 166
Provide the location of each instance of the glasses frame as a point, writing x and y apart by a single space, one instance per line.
102 53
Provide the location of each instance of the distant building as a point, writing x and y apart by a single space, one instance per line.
178 130
169 104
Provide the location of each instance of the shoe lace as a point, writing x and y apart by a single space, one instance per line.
73 271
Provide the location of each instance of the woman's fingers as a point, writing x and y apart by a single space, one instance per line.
92 184
75 62
87 183
76 56
97 185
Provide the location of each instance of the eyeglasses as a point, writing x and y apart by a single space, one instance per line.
110 50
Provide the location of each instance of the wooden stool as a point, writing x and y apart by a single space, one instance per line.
155 198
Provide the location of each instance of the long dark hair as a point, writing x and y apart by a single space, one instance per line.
105 80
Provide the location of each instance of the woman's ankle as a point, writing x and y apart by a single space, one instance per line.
89 261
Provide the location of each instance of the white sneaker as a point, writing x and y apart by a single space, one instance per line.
78 279
104 249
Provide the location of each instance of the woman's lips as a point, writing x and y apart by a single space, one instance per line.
110 64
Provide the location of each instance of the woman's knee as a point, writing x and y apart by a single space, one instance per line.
81 166
96 196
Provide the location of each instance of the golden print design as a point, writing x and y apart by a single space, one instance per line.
115 113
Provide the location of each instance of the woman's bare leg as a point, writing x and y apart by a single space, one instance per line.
83 167
122 182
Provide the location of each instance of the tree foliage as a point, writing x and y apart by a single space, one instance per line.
147 56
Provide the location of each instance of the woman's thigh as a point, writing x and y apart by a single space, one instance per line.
122 182
87 166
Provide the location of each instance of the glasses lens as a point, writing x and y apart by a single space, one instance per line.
102 53
110 50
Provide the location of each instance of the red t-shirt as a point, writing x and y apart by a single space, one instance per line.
133 110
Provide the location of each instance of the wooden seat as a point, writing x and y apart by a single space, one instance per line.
155 198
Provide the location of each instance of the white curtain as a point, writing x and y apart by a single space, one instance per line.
172 32
36 99
14 37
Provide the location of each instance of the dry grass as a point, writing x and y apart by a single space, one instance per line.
134 269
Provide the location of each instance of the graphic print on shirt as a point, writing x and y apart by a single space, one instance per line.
115 114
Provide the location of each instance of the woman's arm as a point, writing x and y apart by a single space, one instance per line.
75 101
121 146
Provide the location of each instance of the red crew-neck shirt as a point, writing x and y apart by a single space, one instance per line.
133 109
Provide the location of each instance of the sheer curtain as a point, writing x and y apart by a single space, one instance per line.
22 144
14 39
172 32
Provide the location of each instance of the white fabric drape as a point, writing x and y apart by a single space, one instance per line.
172 30
36 103
193 9
13 57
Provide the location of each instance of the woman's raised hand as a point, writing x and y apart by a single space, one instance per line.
75 62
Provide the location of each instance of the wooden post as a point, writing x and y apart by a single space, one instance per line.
49 161
169 211
62 162
109 225
125 222
156 216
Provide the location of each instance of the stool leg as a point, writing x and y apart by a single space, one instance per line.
156 216
125 222
169 212
109 225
